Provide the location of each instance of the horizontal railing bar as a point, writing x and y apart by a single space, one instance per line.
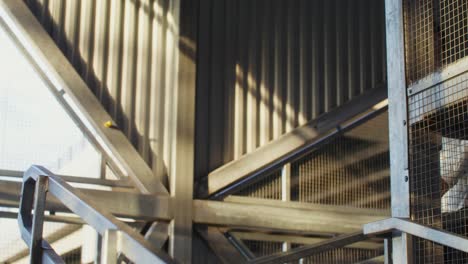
121 204
305 251
435 235
76 179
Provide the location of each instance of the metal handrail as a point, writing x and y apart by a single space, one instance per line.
306 251
406 226
37 182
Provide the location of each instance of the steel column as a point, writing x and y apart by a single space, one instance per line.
182 175
397 122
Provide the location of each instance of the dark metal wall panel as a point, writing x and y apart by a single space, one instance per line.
268 66
125 51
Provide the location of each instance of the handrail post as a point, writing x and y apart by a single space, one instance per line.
109 247
40 194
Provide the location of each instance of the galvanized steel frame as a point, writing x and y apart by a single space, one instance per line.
408 227
398 118
38 182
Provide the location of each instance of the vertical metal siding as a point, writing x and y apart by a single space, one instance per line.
292 61
124 50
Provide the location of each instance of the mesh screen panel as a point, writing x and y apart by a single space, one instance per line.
267 188
263 248
334 256
351 170
438 149
436 35
343 255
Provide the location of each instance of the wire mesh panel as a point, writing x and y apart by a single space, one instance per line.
438 148
263 248
267 188
351 170
344 255
436 35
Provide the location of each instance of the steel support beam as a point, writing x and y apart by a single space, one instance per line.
251 167
121 204
243 212
398 119
308 206
280 218
185 18
55 69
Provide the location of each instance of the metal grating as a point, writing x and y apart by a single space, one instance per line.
438 149
436 35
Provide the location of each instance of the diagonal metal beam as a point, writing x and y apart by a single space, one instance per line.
220 245
55 69
301 252
158 234
251 167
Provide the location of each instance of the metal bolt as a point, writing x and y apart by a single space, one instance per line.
404 122
406 178
410 91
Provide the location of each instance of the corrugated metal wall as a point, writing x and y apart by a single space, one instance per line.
267 66
125 51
